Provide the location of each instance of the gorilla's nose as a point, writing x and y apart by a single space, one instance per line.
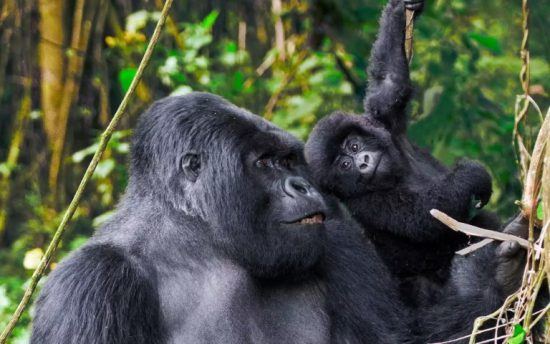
298 187
362 161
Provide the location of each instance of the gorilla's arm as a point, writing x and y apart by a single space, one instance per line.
407 209
479 284
97 296
389 87
362 299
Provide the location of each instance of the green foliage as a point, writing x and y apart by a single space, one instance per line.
518 337
540 211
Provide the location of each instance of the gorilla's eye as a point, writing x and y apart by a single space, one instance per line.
345 164
263 163
354 147
286 162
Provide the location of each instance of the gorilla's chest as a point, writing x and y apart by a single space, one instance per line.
222 304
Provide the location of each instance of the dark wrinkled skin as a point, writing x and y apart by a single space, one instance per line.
388 183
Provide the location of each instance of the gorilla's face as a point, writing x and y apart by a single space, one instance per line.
285 213
364 161
352 155
241 177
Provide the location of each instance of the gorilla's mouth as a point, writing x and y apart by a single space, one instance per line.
313 219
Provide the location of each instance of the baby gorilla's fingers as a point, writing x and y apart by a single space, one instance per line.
508 249
414 5
519 227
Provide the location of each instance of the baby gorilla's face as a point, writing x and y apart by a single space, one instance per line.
365 163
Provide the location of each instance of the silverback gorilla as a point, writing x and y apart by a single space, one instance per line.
388 183
221 238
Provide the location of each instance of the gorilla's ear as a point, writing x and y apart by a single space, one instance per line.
191 166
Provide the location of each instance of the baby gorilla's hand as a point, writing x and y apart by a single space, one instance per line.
477 181
414 5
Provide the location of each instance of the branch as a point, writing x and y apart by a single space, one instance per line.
532 178
409 28
476 231
37 275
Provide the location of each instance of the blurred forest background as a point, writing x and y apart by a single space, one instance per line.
65 64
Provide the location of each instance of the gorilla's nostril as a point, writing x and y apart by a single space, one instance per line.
366 159
363 166
294 186
301 189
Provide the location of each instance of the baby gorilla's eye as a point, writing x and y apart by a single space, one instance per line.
354 147
345 164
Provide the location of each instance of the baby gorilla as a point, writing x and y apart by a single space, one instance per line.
388 183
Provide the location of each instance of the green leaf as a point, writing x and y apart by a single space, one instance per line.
210 19
540 211
519 335
101 219
125 77
78 156
486 41
104 168
4 169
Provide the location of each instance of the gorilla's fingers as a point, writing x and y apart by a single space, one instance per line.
508 249
519 226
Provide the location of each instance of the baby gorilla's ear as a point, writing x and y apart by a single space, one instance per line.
191 166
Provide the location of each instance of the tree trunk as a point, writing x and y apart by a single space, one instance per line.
51 62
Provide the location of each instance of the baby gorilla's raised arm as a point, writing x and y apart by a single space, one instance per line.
389 87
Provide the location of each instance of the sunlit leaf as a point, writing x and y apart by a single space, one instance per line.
104 168
125 77
209 20
540 211
488 42
181 90
32 258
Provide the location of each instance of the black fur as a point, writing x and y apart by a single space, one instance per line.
205 247
388 183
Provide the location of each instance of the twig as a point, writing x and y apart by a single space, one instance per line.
474 247
37 275
476 231
409 28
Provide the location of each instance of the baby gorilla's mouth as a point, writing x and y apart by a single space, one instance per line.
312 219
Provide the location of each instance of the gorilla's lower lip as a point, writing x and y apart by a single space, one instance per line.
313 219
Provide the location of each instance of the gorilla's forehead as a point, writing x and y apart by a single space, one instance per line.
240 125
199 121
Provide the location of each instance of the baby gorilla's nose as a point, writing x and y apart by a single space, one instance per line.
362 161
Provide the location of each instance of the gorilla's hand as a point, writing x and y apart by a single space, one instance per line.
476 179
414 5
511 256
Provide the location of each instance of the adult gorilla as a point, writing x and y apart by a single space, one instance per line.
220 238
